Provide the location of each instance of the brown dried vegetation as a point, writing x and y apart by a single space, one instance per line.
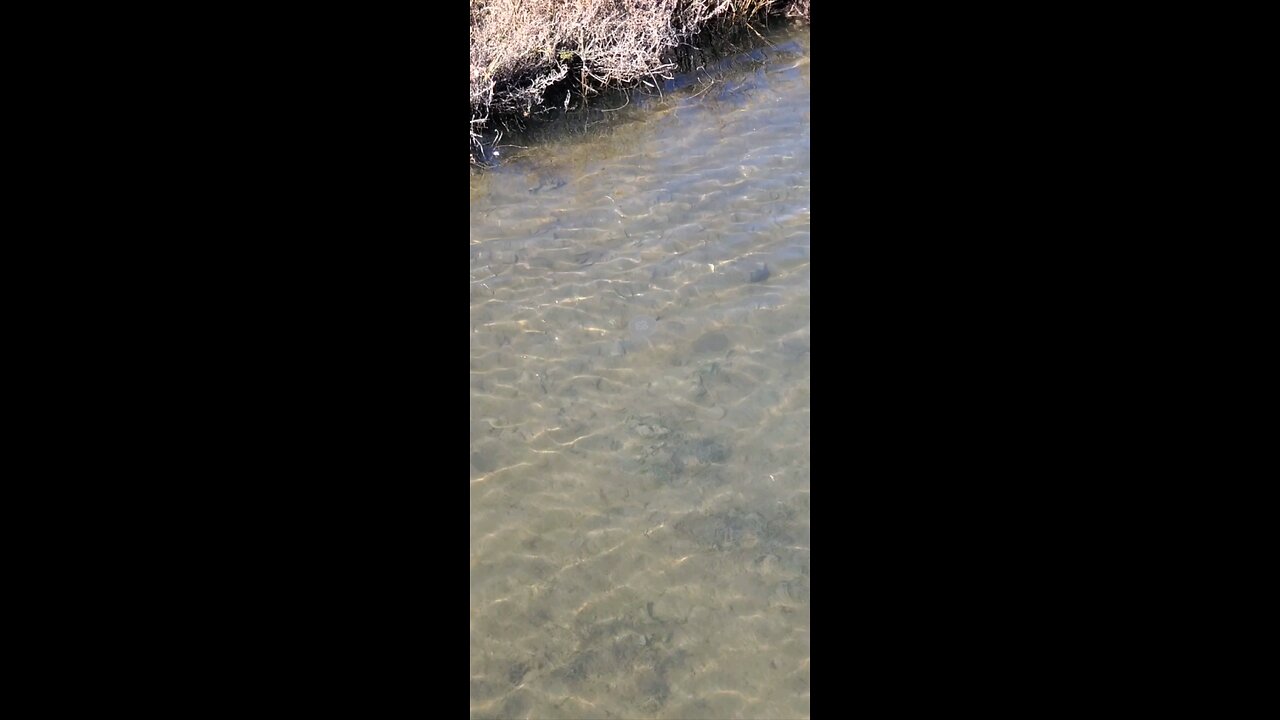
528 56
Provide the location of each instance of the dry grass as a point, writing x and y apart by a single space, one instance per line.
530 55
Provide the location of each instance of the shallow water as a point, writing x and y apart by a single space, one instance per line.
640 392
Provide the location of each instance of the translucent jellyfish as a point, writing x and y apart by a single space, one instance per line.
642 327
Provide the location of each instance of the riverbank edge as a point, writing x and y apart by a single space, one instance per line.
512 97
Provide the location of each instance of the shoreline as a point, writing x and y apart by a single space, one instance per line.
532 60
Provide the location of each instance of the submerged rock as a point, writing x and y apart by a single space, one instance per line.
711 342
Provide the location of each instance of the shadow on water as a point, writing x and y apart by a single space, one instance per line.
639 408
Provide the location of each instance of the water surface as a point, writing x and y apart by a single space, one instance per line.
639 411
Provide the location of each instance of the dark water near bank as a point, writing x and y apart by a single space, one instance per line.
640 393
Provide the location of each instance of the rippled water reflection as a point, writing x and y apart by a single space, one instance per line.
640 392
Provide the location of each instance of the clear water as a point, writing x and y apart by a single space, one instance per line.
639 411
